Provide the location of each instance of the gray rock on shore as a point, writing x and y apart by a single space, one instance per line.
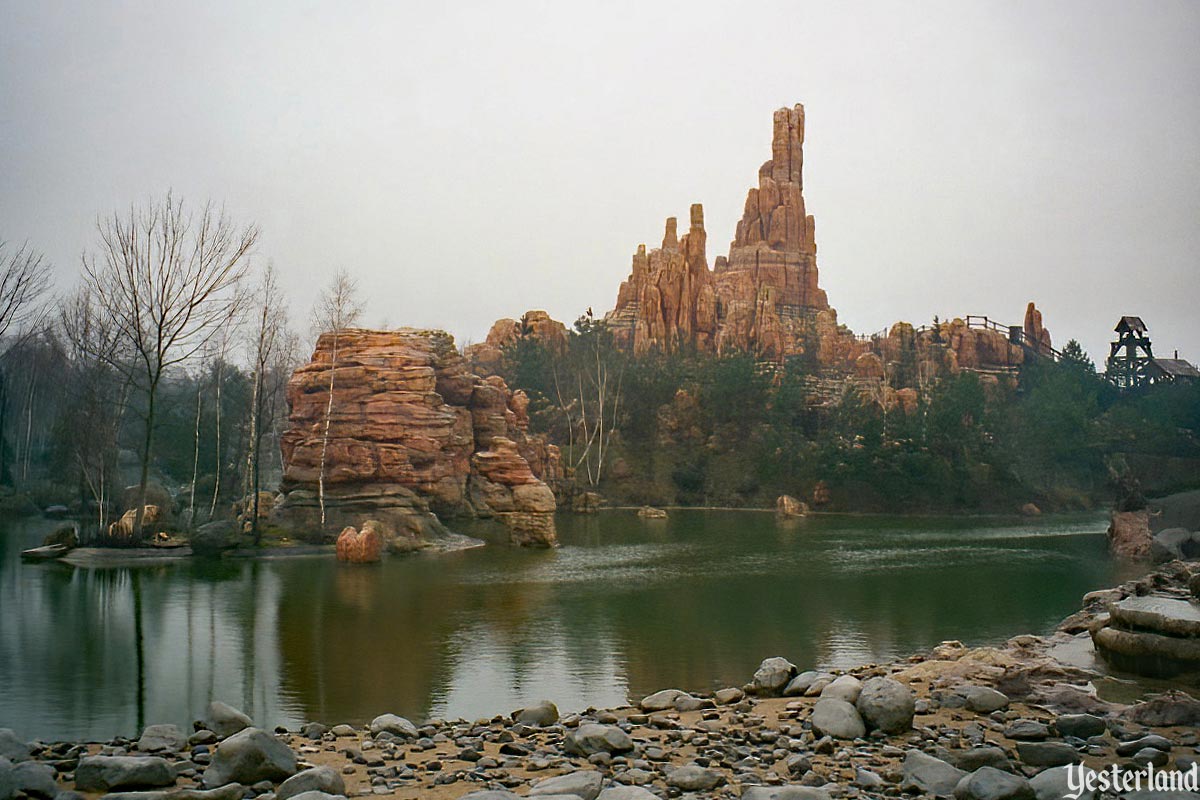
982 699
989 783
589 739
928 775
105 773
540 714
669 698
584 784
36 780
772 675
225 720
395 725
160 738
694 778
250 756
844 687
799 685
887 705
1055 783
11 747
838 719
314 779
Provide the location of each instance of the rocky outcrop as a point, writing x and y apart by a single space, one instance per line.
487 357
1129 534
360 547
765 297
406 422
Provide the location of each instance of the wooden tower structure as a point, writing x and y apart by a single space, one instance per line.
1130 356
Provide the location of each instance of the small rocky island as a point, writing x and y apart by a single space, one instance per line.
413 438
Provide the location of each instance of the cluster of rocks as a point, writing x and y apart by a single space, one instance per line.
410 437
975 724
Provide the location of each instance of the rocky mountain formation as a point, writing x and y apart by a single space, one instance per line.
765 297
411 436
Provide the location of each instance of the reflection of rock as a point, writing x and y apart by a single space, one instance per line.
409 432
1152 634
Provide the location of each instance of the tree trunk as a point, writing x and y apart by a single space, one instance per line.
325 434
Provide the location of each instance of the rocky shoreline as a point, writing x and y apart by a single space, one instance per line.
982 723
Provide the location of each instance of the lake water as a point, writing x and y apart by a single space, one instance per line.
623 608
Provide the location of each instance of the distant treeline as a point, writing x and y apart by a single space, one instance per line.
698 429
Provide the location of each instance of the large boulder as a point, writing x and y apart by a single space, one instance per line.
105 773
837 718
250 756
669 698
314 779
772 675
887 705
590 738
211 538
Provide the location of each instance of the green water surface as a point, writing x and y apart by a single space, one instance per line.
624 607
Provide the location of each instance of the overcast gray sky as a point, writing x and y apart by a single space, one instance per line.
469 161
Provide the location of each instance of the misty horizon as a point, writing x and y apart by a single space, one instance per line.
470 164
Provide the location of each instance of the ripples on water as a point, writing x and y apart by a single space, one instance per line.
625 607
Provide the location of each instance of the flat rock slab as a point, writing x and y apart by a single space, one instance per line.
1167 615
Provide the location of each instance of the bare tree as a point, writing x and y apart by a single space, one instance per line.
97 399
24 279
337 308
168 280
267 337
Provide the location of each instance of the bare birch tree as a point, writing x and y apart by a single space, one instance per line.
267 337
168 279
337 309
593 404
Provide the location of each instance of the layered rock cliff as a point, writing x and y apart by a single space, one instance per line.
412 436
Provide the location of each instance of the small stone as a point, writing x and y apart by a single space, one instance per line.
982 699
1081 726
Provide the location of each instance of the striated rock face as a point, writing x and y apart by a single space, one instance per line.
407 420
763 298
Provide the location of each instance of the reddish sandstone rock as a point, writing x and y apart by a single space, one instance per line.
360 547
1129 534
407 417
788 506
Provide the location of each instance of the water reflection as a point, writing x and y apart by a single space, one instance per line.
627 606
